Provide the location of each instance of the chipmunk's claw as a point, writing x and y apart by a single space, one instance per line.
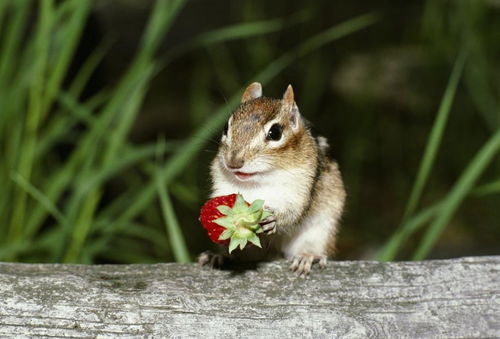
211 260
269 225
302 264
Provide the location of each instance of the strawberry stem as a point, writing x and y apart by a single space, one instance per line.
242 222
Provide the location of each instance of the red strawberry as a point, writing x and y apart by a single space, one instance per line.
233 222
209 213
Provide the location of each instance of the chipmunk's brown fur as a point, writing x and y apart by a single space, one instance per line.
292 174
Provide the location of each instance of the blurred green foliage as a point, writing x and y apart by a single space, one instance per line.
104 131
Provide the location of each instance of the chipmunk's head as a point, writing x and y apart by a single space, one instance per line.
262 135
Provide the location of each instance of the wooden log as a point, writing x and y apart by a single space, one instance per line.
357 299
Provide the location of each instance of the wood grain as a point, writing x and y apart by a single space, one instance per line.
358 299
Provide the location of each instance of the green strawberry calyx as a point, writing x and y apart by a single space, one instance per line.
242 222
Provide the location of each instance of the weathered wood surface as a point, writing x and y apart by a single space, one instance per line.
440 299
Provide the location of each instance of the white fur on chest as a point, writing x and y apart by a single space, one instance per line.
281 190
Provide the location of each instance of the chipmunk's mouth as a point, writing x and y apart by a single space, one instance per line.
244 176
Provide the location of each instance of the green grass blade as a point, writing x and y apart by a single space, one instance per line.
129 158
248 29
125 250
225 68
11 40
3 6
459 191
33 117
91 141
416 222
390 249
39 196
90 197
117 138
435 137
60 126
411 225
13 250
71 36
175 237
57 183
149 234
162 17
333 33
234 32
487 189
81 227
114 209
63 178
138 231
88 68
127 99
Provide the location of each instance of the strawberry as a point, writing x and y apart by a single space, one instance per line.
209 213
233 222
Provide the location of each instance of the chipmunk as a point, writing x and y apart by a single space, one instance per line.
267 152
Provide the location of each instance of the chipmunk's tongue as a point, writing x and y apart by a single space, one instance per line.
243 176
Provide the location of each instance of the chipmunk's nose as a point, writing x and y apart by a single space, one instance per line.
234 162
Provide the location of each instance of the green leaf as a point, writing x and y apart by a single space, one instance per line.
226 210
226 222
265 215
239 204
253 218
255 226
226 234
233 244
254 239
256 205
243 243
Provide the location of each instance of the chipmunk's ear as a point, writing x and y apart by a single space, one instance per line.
288 98
291 108
253 91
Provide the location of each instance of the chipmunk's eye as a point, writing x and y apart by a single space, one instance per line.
226 126
275 132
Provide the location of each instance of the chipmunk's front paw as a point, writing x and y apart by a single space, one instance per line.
302 263
211 260
269 225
